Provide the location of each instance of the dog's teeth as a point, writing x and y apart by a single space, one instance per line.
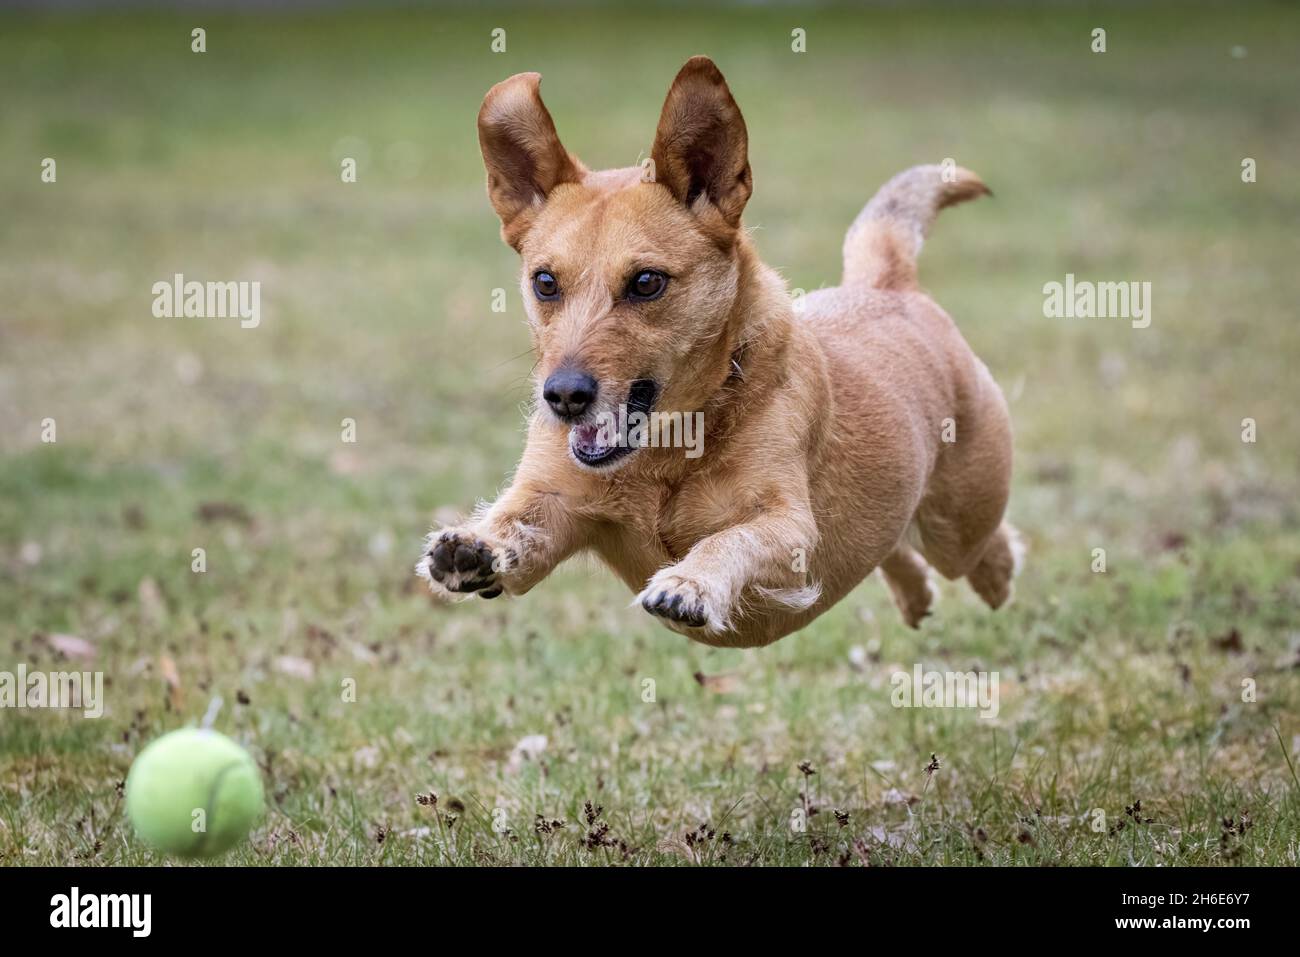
585 440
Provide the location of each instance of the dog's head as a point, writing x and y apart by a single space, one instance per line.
630 275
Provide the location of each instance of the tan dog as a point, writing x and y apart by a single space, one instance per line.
853 432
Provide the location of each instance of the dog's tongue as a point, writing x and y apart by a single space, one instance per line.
586 439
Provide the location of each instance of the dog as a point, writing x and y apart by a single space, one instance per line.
848 430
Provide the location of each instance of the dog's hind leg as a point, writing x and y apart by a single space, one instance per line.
992 575
961 521
908 578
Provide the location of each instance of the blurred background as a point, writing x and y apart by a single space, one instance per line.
176 434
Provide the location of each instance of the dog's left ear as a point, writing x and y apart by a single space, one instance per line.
701 148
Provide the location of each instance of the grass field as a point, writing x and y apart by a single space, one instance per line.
177 434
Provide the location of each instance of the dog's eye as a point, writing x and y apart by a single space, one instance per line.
647 285
545 286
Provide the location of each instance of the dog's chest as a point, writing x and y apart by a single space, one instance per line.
694 510
657 523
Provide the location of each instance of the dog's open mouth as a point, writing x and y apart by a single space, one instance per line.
605 440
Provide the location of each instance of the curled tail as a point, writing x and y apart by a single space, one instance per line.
881 246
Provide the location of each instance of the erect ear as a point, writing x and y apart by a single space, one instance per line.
523 155
701 147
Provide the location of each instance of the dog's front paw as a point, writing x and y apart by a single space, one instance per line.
460 562
688 603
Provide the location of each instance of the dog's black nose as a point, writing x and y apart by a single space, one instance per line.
569 392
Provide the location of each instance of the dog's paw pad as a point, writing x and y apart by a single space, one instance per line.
461 563
684 603
676 607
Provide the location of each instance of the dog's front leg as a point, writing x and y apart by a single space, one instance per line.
508 546
702 591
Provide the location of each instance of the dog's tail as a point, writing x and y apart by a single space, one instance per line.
881 246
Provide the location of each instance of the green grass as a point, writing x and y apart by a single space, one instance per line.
1116 687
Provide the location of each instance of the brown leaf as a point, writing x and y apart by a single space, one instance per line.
224 511
70 646
1230 642
173 678
895 796
718 684
152 605
295 666
1173 541
345 462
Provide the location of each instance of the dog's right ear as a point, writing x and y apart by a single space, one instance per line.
523 155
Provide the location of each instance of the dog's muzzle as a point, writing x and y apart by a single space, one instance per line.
604 441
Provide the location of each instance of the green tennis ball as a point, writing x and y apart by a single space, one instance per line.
193 793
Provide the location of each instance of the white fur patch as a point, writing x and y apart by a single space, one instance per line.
796 599
1019 548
